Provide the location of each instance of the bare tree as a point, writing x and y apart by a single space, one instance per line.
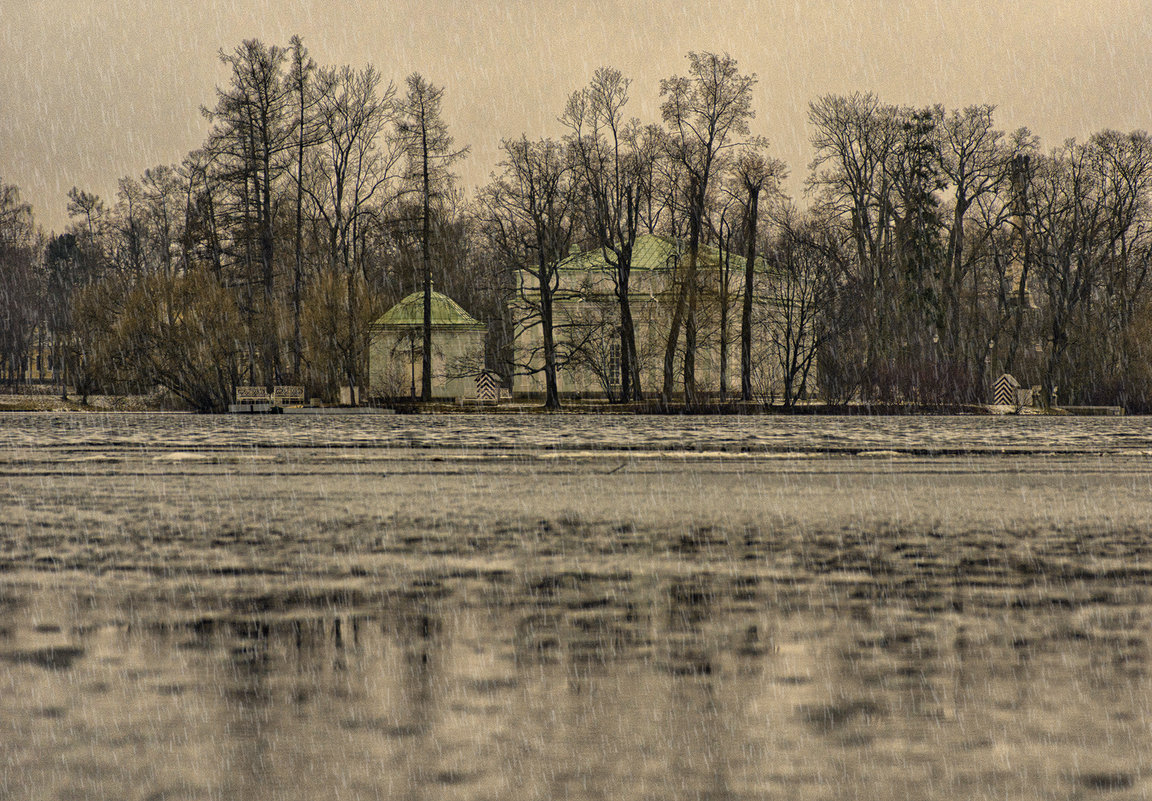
87 212
754 172
201 236
19 287
974 161
127 228
162 189
530 211
800 288
182 332
1088 225
252 136
854 139
1125 165
352 164
300 73
704 111
616 159
430 156
727 232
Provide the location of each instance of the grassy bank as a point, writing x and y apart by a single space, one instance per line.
96 403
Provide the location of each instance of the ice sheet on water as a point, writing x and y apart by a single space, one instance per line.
928 604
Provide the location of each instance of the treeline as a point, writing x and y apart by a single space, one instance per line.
935 252
957 252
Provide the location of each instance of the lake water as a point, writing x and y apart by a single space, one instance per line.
546 607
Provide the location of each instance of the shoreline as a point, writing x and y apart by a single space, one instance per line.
141 404
34 402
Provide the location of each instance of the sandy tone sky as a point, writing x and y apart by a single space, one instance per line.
99 89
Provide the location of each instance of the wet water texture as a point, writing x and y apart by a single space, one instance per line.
571 607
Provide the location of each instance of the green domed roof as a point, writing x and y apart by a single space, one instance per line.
409 313
652 252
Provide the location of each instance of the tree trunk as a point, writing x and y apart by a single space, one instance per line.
746 311
630 364
551 390
267 252
298 263
353 335
690 395
673 338
426 257
723 344
630 388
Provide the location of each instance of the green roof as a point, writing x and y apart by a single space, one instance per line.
409 313
651 252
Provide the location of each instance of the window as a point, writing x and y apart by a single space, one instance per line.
612 367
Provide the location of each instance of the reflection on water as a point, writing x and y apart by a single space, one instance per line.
315 621
577 685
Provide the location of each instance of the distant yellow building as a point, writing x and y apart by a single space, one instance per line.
396 349
38 365
587 322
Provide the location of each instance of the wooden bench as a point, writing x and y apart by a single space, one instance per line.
252 395
288 395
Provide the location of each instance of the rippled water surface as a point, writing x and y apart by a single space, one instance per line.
543 607
495 433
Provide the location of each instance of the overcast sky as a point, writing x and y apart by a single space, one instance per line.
91 91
